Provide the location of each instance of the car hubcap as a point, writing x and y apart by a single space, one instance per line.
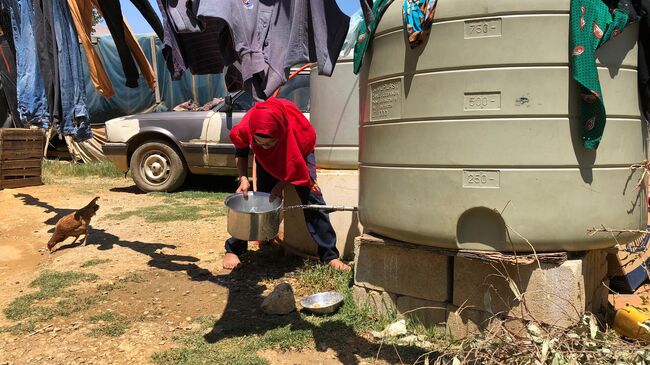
155 167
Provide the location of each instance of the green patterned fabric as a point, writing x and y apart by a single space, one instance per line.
592 24
367 31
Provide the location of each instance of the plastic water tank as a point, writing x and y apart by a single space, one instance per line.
471 140
334 113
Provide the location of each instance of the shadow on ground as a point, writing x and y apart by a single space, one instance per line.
205 183
58 212
242 315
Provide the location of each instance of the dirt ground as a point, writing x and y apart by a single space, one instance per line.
178 266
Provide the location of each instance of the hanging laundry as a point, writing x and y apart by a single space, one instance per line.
32 103
82 17
8 82
81 11
176 64
112 14
200 51
47 55
5 25
75 121
182 18
145 8
367 31
366 9
591 25
418 18
267 38
356 21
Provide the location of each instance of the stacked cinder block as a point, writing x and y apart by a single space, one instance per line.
469 294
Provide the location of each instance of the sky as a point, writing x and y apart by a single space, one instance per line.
139 25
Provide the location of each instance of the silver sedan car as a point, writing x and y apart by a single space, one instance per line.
161 148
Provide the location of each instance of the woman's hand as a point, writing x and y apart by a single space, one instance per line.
315 188
244 186
277 191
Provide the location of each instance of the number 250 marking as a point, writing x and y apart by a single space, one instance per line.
477 179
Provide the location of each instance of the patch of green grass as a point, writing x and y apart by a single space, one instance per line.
94 262
51 285
192 195
55 281
172 213
199 352
107 286
241 348
112 285
109 324
179 206
232 350
286 338
319 278
106 317
19 328
57 169
134 278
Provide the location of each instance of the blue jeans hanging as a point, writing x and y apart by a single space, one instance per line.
32 102
75 121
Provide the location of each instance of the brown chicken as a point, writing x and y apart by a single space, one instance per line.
74 225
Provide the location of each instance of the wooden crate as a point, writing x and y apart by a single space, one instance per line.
21 153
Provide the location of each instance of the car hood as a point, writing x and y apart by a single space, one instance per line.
123 128
162 117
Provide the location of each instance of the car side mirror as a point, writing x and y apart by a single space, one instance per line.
227 104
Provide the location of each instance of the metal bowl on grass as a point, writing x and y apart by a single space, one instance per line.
322 303
255 218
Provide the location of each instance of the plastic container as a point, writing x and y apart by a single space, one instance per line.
334 113
472 139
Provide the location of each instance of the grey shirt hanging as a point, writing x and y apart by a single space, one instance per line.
270 36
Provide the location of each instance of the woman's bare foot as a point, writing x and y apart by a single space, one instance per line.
230 261
337 264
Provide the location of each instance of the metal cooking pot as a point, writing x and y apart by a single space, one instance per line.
255 218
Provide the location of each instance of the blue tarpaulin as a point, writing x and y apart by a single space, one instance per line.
168 93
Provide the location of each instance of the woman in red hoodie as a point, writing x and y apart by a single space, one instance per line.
283 142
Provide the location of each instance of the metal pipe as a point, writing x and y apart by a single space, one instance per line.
328 208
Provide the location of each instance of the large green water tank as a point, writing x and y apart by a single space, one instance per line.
334 113
471 140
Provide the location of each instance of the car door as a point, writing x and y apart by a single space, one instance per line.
220 151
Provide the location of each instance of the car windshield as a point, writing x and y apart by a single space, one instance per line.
296 90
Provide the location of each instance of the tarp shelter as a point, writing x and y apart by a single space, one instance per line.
127 101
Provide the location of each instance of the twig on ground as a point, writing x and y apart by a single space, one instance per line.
529 244
40 330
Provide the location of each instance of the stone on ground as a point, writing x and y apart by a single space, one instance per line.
280 301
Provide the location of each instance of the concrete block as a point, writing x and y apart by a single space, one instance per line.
381 265
464 323
427 312
382 302
468 322
594 271
555 294
339 187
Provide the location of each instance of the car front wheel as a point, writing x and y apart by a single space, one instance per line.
157 166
